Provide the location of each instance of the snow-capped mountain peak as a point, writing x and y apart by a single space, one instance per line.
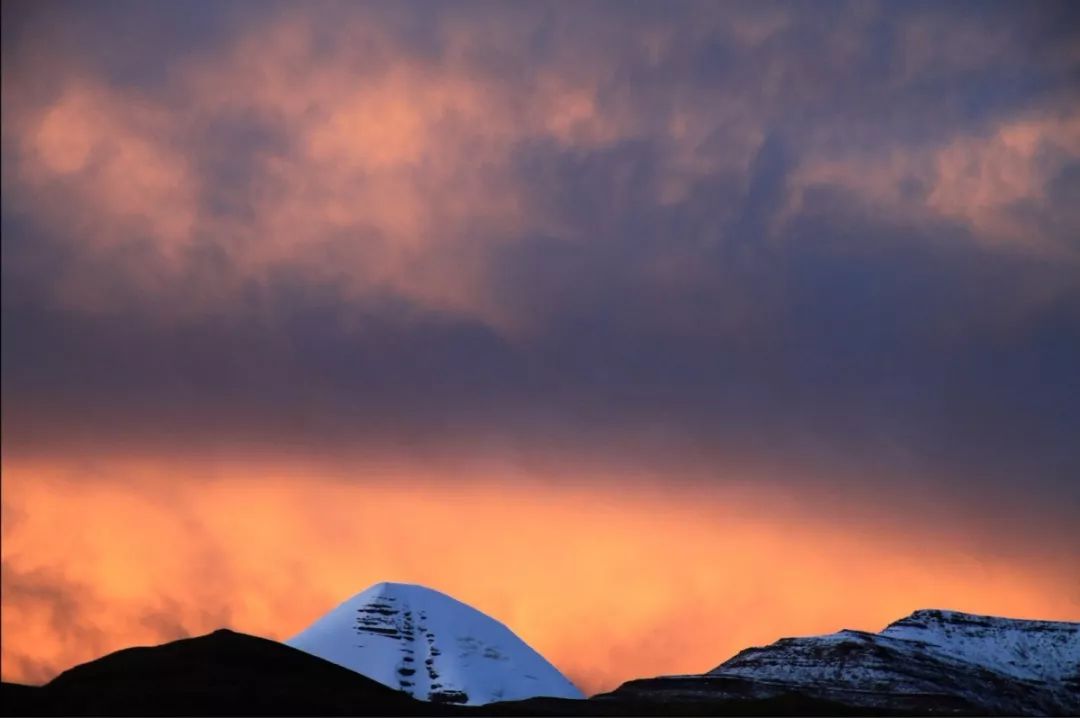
929 663
960 656
432 647
1025 649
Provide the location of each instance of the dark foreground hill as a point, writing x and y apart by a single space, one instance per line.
222 673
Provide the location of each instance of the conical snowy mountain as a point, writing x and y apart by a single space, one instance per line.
432 647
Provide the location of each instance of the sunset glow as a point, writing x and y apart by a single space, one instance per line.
653 331
155 552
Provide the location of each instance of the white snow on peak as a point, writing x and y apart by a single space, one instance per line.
1002 665
431 646
1039 650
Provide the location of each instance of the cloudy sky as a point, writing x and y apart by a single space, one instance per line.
653 329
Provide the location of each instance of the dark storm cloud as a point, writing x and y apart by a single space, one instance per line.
768 235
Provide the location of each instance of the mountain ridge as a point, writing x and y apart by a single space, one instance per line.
950 659
931 662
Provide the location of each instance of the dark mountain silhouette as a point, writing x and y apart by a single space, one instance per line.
229 673
222 673
930 663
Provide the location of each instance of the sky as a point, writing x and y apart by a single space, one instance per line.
654 330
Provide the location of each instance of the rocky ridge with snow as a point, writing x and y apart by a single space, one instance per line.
932 661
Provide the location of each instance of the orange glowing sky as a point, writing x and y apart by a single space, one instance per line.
653 333
609 585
